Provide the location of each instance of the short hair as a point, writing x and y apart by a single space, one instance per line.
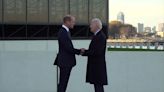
98 21
67 18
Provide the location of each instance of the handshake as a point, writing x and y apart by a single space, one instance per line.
82 51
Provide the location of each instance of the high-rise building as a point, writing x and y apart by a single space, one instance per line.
120 17
153 29
161 27
140 27
147 29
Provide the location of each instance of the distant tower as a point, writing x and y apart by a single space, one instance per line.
120 17
161 27
154 29
147 29
140 27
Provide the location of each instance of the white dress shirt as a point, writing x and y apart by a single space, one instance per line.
65 28
97 31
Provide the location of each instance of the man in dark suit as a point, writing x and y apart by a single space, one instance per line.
66 55
96 67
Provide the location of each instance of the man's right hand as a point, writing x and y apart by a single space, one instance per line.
82 51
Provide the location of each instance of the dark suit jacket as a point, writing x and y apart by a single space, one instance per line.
66 54
96 67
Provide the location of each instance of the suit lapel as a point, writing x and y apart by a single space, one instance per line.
98 33
68 33
92 42
94 37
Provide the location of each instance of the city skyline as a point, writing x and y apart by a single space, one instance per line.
150 13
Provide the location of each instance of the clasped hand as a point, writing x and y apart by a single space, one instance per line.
82 50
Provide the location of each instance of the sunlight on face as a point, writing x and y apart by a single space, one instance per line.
72 22
93 26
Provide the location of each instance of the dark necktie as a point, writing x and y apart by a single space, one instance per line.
69 34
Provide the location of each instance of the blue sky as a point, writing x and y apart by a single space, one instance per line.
149 12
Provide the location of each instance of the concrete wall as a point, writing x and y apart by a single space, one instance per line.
27 66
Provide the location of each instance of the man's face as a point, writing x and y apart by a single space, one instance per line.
72 23
93 26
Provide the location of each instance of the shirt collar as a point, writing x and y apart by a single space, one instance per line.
65 28
97 31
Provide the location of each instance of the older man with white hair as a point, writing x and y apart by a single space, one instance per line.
96 67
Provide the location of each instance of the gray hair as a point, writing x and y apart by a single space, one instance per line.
98 21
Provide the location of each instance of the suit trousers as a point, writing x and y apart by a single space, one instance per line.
64 77
98 88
